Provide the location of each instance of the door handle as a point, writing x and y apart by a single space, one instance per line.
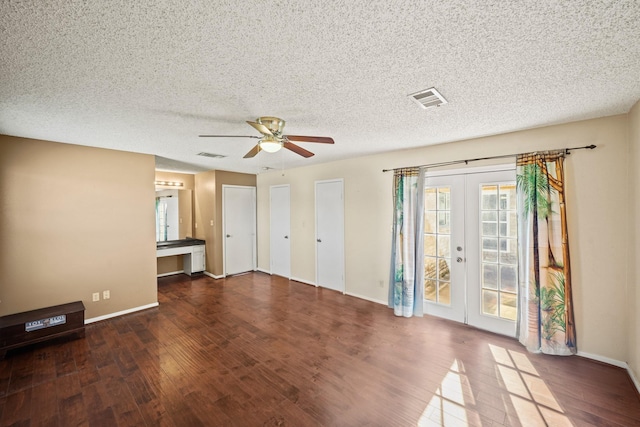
459 259
286 237
228 235
318 240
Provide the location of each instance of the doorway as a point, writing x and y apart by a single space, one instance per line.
470 247
239 228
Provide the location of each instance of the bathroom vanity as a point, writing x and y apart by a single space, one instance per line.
192 251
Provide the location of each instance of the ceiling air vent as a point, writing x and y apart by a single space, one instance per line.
428 98
215 156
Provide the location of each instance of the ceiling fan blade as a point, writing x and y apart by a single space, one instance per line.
298 150
228 136
302 138
255 150
260 128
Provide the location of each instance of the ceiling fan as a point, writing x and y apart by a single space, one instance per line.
273 140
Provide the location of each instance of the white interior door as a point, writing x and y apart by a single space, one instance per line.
239 228
173 226
330 234
470 249
167 218
280 225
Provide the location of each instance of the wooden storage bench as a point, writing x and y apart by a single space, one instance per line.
20 329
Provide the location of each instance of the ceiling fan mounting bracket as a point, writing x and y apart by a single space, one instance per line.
274 124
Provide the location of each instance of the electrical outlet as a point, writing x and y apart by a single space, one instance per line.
96 296
106 294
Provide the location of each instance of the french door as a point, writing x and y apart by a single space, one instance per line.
470 248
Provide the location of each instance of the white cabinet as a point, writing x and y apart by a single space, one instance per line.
193 256
197 259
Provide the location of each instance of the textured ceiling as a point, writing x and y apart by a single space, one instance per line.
150 76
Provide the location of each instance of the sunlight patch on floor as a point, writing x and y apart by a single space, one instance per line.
447 406
531 398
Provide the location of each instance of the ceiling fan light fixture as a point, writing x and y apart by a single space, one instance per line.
270 144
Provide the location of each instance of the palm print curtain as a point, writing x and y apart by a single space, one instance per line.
406 289
546 312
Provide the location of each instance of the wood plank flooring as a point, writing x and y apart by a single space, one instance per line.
256 350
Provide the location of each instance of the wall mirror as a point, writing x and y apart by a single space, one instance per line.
174 214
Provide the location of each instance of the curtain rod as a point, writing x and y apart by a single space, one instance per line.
455 162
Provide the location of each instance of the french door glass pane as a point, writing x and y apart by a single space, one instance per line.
437 245
499 252
490 302
508 306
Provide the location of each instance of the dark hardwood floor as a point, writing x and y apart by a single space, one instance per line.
257 350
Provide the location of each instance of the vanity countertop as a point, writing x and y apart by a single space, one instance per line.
179 243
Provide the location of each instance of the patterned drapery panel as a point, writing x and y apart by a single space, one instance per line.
406 287
546 312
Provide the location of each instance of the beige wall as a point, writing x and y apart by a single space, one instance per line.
597 214
204 214
169 264
208 211
633 297
75 220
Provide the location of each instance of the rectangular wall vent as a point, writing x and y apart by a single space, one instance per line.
428 98
215 156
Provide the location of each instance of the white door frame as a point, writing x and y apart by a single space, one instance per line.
271 235
475 316
253 223
469 243
473 170
341 232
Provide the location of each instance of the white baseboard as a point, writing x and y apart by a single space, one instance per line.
295 279
613 362
262 270
634 379
366 298
603 359
213 276
171 273
119 313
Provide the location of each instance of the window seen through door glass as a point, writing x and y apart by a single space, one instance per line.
499 252
437 245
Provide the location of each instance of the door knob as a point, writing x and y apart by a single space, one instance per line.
459 248
318 240
459 259
286 237
228 235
